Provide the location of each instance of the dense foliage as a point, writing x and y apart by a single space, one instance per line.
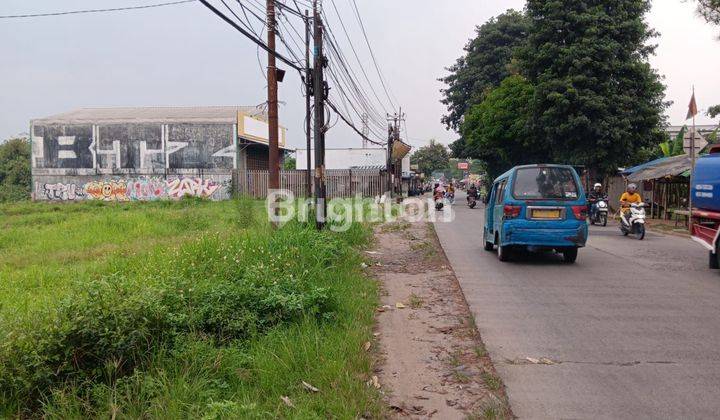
430 158
588 95
498 129
488 59
15 174
597 102
710 10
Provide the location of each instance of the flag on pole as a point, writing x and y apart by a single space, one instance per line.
692 108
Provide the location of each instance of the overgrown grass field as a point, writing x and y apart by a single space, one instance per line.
188 309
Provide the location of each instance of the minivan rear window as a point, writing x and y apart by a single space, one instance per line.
545 183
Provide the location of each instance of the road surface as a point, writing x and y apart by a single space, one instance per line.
634 326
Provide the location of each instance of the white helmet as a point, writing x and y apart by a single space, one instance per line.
597 185
632 187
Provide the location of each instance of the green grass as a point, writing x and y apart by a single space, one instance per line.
180 310
492 381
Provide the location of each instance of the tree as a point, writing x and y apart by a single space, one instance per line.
289 163
430 158
713 111
15 171
597 100
710 10
497 130
486 62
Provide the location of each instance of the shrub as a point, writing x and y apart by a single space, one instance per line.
221 288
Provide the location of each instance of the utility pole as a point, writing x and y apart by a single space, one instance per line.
393 136
308 114
319 91
365 129
273 156
692 161
391 140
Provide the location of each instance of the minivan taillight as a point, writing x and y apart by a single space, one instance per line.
580 212
511 212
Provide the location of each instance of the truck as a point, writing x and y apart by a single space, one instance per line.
705 215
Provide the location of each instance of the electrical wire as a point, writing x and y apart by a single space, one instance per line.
116 9
372 54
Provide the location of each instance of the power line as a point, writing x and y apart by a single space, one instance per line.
342 117
357 58
251 36
116 9
372 54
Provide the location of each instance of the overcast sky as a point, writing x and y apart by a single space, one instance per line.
183 55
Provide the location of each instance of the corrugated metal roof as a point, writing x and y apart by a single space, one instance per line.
196 114
634 169
673 166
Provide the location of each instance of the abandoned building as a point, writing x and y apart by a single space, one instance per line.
138 153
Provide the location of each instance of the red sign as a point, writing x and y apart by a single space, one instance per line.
463 166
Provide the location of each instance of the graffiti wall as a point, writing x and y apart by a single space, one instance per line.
134 189
134 146
132 161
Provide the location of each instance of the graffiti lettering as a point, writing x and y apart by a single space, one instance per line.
107 190
146 189
135 189
195 187
60 191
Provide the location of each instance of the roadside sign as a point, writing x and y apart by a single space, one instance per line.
700 142
463 166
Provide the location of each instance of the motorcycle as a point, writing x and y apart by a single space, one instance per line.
600 216
439 201
450 197
471 201
633 221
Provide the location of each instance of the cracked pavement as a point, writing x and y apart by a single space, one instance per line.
630 331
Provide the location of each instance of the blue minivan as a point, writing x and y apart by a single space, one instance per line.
536 207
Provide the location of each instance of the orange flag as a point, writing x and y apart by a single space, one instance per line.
692 108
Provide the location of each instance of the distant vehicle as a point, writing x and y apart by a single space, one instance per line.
706 204
471 202
601 214
536 207
633 221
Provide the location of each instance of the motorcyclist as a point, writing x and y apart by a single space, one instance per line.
472 192
630 196
593 197
438 191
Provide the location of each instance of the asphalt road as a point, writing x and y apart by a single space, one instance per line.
633 326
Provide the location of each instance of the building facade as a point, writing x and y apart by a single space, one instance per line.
125 154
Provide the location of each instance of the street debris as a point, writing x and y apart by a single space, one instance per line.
309 387
430 353
287 401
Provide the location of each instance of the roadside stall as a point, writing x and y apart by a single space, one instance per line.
665 184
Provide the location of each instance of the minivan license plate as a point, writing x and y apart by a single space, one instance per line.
546 214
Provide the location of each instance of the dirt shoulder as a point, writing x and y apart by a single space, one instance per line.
431 360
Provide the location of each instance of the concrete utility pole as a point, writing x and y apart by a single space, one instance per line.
308 113
319 90
365 129
393 136
274 152
391 140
